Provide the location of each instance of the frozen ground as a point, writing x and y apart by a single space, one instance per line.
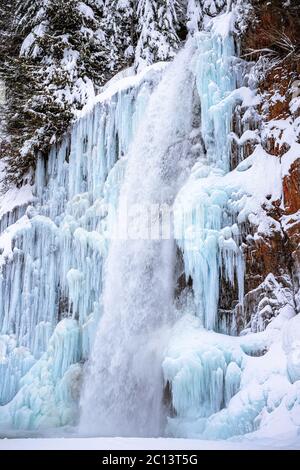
283 443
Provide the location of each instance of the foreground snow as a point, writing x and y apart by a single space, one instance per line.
284 443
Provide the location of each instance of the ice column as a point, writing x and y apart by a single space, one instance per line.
205 209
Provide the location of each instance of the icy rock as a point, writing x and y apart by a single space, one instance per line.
202 368
257 393
205 209
47 396
14 364
215 82
291 344
232 381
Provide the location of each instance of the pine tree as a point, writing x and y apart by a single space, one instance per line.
118 24
16 73
212 7
157 24
55 54
197 9
69 39
194 15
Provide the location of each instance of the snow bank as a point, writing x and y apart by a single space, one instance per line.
227 386
285 443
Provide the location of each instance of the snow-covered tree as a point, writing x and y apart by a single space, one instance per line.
194 15
66 35
17 73
157 24
197 9
213 7
54 53
58 56
119 29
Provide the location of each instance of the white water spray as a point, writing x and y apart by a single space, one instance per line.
124 385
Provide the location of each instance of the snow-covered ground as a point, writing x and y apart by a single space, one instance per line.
146 444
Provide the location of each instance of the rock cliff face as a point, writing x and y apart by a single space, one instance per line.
272 256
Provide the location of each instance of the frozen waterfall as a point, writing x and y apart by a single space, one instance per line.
96 251
52 256
186 125
204 212
112 271
139 278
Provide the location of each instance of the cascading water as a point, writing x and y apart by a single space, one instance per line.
187 121
123 392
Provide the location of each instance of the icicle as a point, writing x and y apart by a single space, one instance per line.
204 372
215 82
54 269
204 212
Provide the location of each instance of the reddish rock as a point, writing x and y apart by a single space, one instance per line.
278 253
291 189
